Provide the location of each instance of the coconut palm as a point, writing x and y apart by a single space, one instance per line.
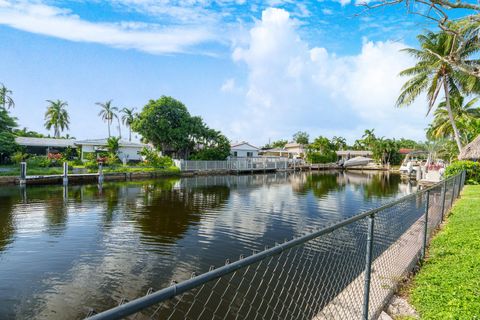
432 74
57 117
6 100
108 113
466 117
127 119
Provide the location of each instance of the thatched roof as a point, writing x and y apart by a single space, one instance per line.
471 151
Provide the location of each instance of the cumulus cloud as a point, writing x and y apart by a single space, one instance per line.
292 86
229 85
56 22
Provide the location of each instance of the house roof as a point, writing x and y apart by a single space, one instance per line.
354 153
275 150
104 142
294 145
471 151
45 142
238 144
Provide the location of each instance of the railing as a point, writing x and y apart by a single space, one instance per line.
238 164
348 270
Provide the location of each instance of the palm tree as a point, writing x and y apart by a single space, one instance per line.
127 119
432 74
107 113
5 97
57 117
466 117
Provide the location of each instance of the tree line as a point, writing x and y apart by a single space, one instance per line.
165 123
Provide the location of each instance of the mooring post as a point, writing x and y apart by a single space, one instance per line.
65 173
368 266
100 172
425 227
444 191
23 173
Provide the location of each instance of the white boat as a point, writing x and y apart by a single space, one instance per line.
357 161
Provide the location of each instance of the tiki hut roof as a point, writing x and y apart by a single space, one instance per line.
471 151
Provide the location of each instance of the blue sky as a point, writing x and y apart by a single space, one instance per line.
256 70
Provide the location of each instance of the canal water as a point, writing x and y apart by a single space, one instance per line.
66 250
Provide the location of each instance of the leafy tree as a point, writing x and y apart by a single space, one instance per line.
407 144
27 133
7 139
168 125
321 150
385 151
466 116
432 74
6 100
57 117
339 142
279 144
301 137
108 113
127 119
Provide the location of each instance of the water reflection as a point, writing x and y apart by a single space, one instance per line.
63 249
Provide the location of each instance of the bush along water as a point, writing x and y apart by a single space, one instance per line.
471 168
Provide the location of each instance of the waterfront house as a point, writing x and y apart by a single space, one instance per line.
275 152
243 150
295 150
44 146
348 154
127 151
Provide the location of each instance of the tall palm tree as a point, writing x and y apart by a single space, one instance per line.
466 117
127 119
108 113
6 100
57 117
432 74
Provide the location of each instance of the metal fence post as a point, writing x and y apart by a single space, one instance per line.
368 266
425 227
460 176
444 192
453 191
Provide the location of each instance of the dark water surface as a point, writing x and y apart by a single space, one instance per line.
64 250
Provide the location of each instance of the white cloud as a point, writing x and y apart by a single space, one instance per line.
327 11
60 23
294 87
229 86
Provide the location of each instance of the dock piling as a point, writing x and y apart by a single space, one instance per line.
65 173
23 173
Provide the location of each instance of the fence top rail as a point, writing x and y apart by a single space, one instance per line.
141 303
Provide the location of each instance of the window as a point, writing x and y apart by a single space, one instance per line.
235 153
249 154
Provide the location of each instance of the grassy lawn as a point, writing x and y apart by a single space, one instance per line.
448 284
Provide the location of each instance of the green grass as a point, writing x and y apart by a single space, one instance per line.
14 170
448 284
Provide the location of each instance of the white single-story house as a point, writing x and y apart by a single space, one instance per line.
296 150
243 150
275 152
128 151
44 146
348 154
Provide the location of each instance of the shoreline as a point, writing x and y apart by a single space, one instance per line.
130 176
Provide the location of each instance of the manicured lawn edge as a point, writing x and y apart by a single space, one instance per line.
448 284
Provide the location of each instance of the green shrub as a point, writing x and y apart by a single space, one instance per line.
91 165
18 157
472 170
317 157
153 159
39 162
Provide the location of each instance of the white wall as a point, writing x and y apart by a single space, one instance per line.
243 153
131 153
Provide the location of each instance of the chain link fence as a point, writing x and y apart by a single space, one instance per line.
348 270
